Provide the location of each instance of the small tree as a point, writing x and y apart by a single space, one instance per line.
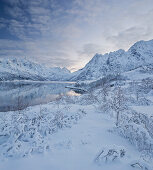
104 97
135 88
105 89
118 103
146 85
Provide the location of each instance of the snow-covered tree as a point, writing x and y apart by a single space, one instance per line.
118 103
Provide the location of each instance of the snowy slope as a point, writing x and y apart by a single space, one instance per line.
75 146
21 69
140 54
139 73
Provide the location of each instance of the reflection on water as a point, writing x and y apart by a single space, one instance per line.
16 96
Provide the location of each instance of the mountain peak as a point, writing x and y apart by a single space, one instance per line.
140 54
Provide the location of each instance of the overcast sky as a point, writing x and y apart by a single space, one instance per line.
67 33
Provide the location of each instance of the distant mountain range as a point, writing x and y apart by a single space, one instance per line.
140 54
21 69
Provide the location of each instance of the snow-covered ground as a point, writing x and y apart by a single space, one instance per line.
77 147
69 134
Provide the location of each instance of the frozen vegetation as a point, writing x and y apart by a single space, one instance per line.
109 126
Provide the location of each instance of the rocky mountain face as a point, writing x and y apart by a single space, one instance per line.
140 54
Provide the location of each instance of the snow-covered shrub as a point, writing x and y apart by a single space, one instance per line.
138 129
137 93
28 132
147 84
139 164
110 154
143 101
89 98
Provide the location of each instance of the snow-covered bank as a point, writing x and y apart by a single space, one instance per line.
36 82
21 94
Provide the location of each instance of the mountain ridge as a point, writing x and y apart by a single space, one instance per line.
21 69
139 54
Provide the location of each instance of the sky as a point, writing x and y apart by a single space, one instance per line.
67 33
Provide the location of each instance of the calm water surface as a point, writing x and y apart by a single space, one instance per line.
19 95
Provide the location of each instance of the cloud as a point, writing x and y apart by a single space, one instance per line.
90 49
142 30
69 32
127 37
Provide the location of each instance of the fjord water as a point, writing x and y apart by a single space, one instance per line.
19 95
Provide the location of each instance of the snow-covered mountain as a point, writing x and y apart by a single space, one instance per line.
140 54
22 69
